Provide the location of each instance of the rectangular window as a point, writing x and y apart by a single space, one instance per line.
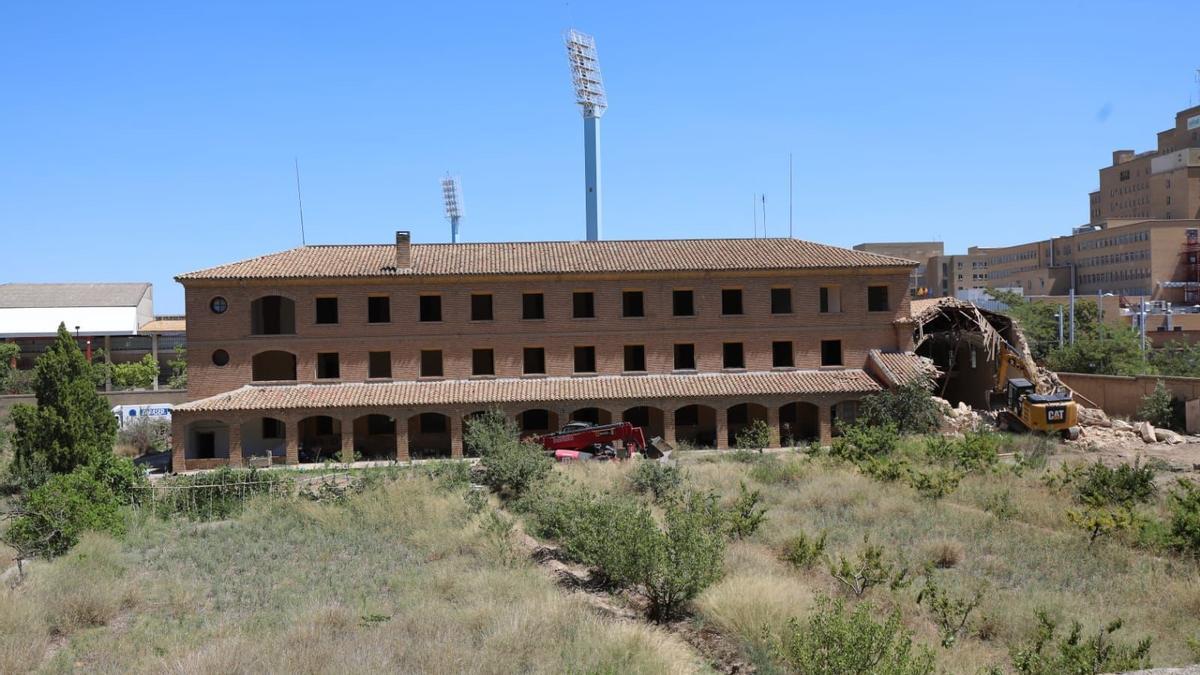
683 303
781 301
831 352
635 358
483 362
431 363
431 308
328 367
583 305
782 355
481 307
585 359
685 357
734 355
731 301
272 428
877 298
379 364
633 304
831 299
327 310
379 310
535 361
533 306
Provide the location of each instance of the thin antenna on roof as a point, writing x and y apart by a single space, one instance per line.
790 196
300 201
764 205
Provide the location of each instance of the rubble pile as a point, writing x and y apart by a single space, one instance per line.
1099 429
961 418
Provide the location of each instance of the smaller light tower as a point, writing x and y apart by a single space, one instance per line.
589 94
452 194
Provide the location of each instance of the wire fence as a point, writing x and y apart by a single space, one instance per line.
225 493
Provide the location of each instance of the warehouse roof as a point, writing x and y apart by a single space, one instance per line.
15 296
515 390
549 257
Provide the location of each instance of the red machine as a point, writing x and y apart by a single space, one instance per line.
583 441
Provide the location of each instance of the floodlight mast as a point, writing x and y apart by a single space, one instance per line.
589 94
452 195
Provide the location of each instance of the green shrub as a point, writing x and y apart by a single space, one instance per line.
1158 408
216 495
657 479
867 569
803 551
510 466
1001 505
1101 521
754 436
136 374
52 517
885 469
126 479
1048 653
909 409
1126 485
1184 502
746 514
833 641
449 474
859 441
949 612
933 483
684 559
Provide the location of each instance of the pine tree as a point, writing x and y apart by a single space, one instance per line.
71 424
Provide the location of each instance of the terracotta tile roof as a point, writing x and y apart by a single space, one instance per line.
896 368
549 257
515 390
164 324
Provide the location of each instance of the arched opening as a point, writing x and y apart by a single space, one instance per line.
591 416
272 315
470 450
799 423
320 439
648 418
842 414
375 437
273 366
264 436
428 436
537 421
696 425
740 416
207 439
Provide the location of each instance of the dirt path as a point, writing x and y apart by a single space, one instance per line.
720 652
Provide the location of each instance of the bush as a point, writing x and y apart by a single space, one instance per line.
217 494
833 641
684 559
909 409
1158 408
135 375
868 569
126 480
146 434
859 441
510 466
949 612
655 478
803 551
1049 654
1001 505
52 517
1101 521
933 483
1184 502
746 514
753 436
1100 486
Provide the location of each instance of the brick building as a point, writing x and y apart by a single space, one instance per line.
920 251
384 350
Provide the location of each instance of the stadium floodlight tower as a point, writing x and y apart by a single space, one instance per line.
452 194
589 94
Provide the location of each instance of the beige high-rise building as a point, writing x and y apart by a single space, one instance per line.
920 251
1159 184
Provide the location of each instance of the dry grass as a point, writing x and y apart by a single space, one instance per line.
398 579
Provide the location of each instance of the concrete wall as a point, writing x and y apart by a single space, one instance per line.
1121 396
172 396
27 321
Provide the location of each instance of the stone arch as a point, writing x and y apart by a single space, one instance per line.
799 422
697 425
428 435
272 315
320 439
536 421
375 437
273 366
649 418
592 415
740 416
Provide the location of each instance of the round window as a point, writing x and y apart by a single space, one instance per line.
218 305
220 357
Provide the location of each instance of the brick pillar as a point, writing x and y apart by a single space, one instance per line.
668 423
178 443
722 428
456 435
347 426
401 438
291 453
824 423
235 444
773 425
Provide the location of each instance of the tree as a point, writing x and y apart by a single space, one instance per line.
53 516
136 375
1039 320
1158 407
754 436
1105 352
71 424
909 408
179 376
8 354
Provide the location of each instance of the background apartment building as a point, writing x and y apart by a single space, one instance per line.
918 251
1160 184
385 351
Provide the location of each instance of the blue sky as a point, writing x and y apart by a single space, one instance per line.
138 141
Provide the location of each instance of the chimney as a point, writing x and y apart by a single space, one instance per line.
403 250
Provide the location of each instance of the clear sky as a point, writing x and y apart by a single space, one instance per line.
139 141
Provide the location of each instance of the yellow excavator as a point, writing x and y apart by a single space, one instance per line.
1022 409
